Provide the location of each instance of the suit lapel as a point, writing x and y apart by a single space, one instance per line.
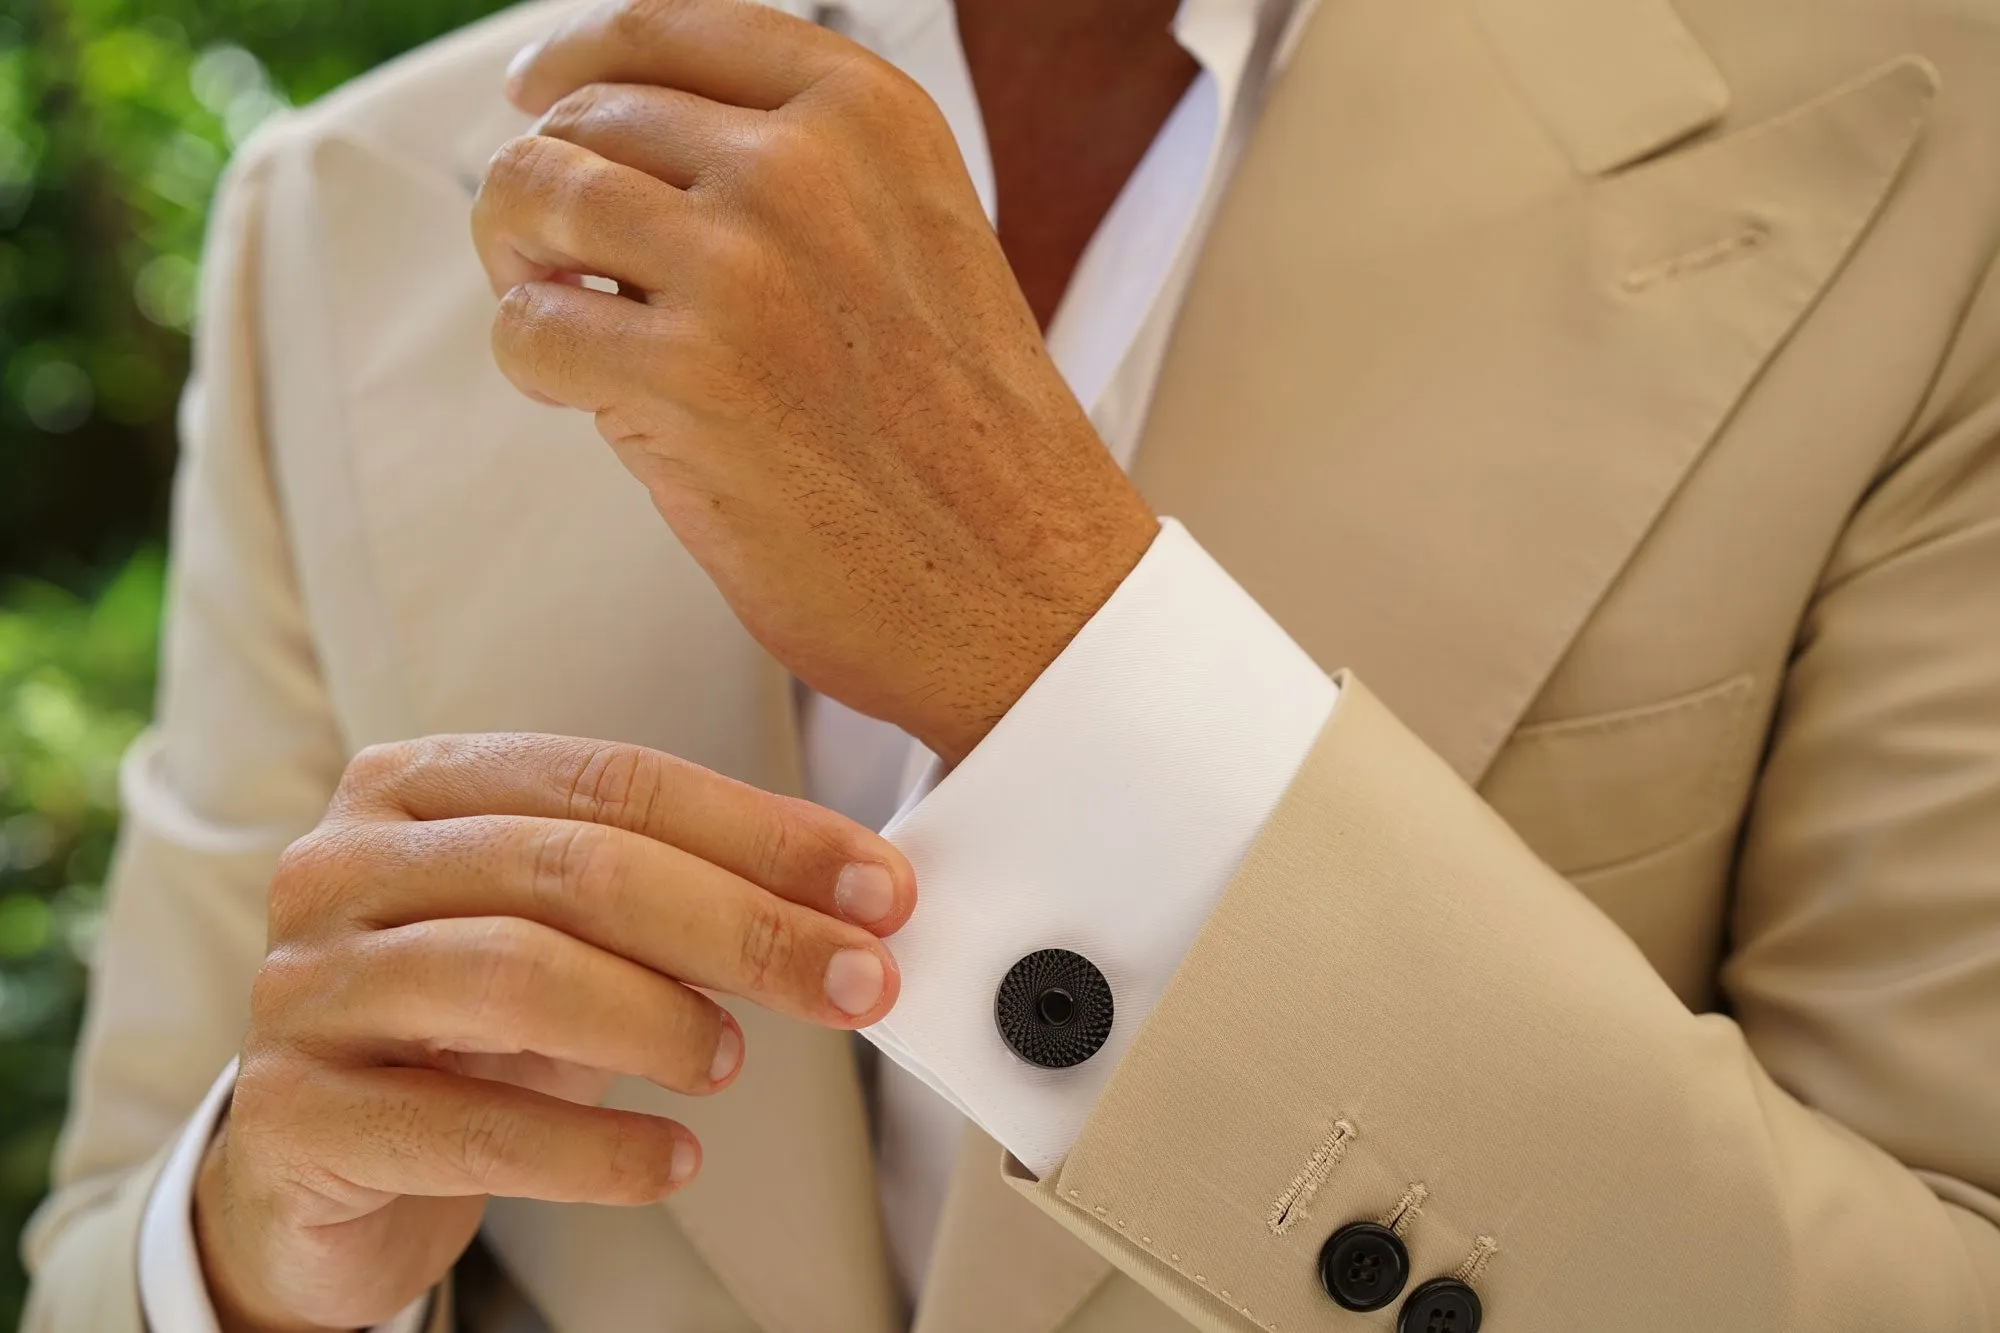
1301 430
1432 387
1611 82
1222 442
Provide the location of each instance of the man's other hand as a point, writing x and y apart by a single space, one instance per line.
819 362
481 935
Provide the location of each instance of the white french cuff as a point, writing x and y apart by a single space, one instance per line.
1104 815
172 1292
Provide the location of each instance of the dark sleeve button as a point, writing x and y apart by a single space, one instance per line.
1363 1266
1442 1305
1054 1009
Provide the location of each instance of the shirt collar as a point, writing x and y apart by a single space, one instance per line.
1220 34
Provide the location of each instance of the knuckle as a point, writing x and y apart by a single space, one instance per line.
576 861
814 833
881 93
641 21
577 112
306 884
774 843
882 82
738 273
783 154
766 946
510 962
285 978
630 20
492 1139
383 772
533 336
734 252
299 869
515 166
523 314
376 767
534 326
265 1091
582 187
619 785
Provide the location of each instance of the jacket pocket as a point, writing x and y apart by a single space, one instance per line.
1588 793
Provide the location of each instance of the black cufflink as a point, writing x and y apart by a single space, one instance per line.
1363 1267
1442 1305
1053 1009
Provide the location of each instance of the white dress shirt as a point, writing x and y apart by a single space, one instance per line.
1108 809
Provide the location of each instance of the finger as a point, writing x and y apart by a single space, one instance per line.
658 906
427 1133
549 207
746 54
797 850
508 986
672 135
578 347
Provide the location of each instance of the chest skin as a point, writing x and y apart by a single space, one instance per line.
1072 96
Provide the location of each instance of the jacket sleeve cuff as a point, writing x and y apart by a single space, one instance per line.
1399 1015
1103 815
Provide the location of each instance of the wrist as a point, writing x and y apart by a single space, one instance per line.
1045 605
240 1305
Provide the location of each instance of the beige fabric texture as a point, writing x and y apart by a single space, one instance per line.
1613 388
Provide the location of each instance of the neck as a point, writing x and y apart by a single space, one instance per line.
1056 26
1073 92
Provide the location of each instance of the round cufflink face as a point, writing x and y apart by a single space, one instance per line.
1053 1009
1442 1305
1363 1266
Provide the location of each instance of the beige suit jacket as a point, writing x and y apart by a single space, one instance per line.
1613 386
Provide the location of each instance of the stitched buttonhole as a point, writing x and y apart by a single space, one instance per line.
1736 245
1290 1206
1399 1218
1483 1250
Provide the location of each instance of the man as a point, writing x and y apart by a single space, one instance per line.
1614 386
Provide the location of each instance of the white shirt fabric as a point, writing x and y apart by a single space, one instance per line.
1107 811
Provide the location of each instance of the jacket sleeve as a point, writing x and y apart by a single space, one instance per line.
1397 1011
241 760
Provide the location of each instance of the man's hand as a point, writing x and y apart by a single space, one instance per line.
479 936
819 364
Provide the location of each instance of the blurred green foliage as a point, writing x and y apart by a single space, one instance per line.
77 678
116 117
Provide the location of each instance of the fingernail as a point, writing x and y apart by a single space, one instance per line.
728 1053
686 1160
854 981
864 893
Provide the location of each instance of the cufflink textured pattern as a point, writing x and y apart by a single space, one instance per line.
1054 1009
